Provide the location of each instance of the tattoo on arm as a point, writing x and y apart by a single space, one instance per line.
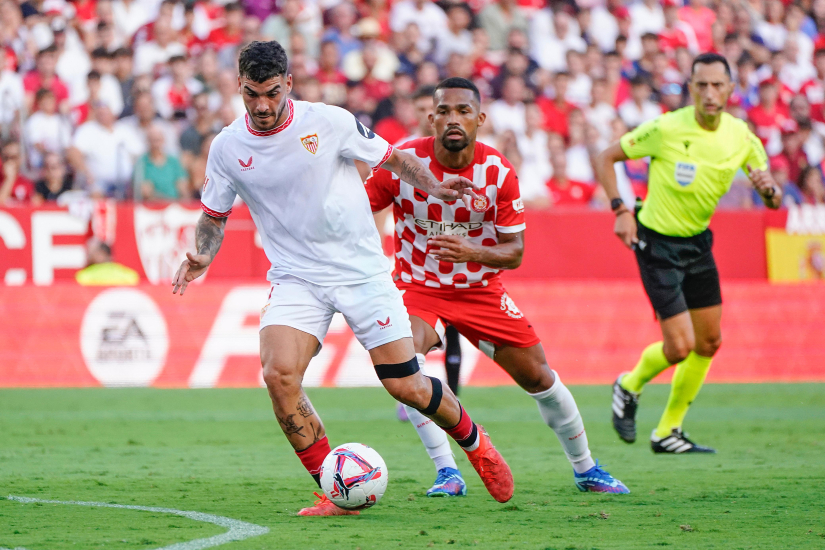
209 234
304 407
288 425
409 171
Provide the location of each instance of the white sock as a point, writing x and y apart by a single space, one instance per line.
559 411
434 438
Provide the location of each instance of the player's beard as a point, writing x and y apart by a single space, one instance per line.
454 146
274 121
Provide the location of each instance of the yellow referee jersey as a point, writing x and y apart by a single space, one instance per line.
107 274
690 168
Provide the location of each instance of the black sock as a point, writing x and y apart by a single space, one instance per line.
452 358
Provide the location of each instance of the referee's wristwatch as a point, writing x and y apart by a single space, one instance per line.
772 193
617 206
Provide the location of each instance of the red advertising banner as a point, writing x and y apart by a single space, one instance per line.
46 245
67 335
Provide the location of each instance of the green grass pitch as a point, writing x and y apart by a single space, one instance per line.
221 452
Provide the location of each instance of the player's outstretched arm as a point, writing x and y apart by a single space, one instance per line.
765 185
625 226
409 168
507 254
208 239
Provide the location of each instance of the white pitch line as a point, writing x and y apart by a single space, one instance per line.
238 530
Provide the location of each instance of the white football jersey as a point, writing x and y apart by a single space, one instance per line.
303 191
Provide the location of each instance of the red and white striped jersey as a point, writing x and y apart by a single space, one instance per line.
419 216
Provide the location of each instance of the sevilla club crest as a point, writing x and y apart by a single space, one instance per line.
480 203
310 143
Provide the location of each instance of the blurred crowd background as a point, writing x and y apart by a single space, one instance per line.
122 98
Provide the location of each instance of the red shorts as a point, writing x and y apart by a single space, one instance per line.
486 316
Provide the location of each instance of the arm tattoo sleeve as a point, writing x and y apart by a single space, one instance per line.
209 234
411 172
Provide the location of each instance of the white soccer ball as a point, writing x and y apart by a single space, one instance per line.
354 476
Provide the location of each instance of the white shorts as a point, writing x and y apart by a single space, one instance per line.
373 310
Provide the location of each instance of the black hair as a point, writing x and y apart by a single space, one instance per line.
101 53
745 59
233 6
260 61
124 51
424 91
93 75
640 80
461 83
41 93
709 59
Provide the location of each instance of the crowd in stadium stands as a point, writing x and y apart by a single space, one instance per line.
121 98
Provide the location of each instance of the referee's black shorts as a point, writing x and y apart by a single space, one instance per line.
678 273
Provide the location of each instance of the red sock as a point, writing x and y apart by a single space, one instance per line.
313 457
465 432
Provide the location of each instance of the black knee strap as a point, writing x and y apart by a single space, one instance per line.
398 370
435 400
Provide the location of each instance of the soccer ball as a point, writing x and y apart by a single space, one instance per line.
354 476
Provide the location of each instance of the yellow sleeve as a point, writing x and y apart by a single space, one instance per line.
643 141
757 157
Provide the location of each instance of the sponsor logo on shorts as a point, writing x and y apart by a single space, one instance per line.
385 324
310 143
434 228
509 307
480 203
205 182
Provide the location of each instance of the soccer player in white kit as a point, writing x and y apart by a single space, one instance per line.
292 163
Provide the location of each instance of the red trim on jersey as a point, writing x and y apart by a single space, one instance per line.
387 156
275 130
210 212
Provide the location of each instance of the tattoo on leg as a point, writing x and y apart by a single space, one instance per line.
304 408
316 433
288 425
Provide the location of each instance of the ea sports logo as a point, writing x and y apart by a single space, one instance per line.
480 203
123 338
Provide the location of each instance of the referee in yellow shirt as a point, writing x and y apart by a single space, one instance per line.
694 153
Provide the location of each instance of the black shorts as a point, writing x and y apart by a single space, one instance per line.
678 273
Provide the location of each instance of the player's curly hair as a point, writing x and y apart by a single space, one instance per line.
260 61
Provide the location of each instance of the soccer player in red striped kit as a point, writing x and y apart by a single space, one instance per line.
448 260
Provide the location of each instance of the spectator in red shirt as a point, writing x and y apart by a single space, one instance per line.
45 77
564 191
619 87
769 116
13 186
231 33
400 124
675 34
332 80
793 138
701 19
558 109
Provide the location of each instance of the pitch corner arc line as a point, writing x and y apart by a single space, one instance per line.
237 530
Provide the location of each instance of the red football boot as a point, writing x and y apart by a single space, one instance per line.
324 507
491 467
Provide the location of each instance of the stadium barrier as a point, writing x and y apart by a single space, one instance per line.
65 335
44 245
